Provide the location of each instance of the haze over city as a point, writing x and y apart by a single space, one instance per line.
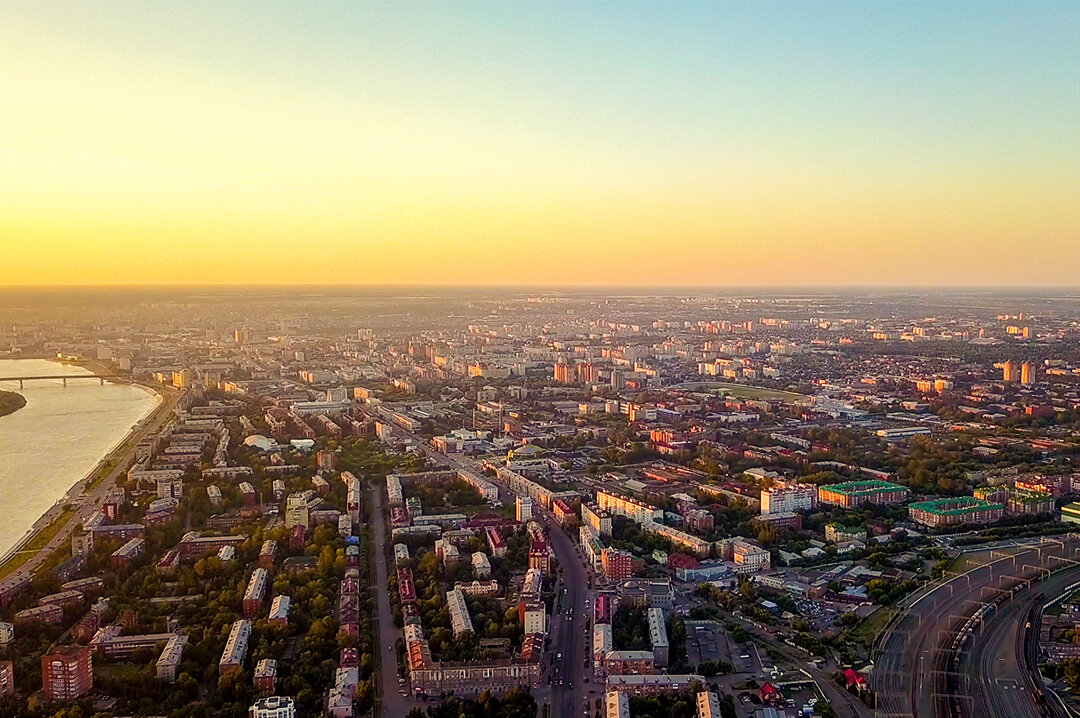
539 359
716 144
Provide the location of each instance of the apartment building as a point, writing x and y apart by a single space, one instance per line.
786 498
954 511
236 647
852 494
596 518
637 511
459 613
67 673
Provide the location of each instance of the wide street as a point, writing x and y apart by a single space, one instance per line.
394 704
569 626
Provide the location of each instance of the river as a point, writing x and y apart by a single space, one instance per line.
57 438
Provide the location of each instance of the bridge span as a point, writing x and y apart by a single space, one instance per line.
23 379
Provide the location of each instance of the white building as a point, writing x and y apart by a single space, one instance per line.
459 613
524 509
273 707
296 511
481 565
749 558
535 618
782 499
169 659
236 647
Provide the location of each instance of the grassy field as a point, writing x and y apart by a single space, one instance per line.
35 544
741 391
867 631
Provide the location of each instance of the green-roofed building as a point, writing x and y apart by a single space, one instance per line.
954 511
852 494
1070 513
1024 502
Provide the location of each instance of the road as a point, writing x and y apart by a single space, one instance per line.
843 703
394 704
569 627
907 656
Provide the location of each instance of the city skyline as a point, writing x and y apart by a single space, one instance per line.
691 144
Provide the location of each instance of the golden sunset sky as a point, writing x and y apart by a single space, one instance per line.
543 143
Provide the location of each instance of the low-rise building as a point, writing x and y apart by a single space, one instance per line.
658 636
273 707
629 662
255 593
169 660
236 647
616 705
708 705
839 533
266 676
279 610
459 613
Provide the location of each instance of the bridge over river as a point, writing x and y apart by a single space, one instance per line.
23 379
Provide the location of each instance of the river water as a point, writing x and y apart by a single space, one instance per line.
57 438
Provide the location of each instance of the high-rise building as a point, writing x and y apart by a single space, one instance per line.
565 373
586 373
7 678
1027 373
67 673
1008 371
296 511
524 508
783 499
618 565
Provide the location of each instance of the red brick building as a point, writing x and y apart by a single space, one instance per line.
67 673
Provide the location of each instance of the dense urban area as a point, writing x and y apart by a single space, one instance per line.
558 504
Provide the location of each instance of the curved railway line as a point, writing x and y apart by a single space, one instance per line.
965 648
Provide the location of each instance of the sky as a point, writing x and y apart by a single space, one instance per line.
541 143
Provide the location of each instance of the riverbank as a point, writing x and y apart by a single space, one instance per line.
35 550
53 528
10 402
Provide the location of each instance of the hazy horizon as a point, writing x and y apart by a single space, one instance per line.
543 144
